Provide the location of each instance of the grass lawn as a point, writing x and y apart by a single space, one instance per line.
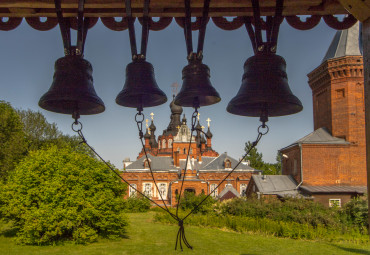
147 237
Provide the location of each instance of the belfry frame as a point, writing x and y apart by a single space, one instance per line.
14 11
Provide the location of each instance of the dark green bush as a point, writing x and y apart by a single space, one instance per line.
59 194
189 201
137 204
301 211
356 212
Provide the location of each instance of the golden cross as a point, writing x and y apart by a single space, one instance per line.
146 123
152 116
202 127
198 116
208 120
178 127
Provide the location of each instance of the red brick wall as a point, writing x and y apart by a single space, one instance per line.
291 165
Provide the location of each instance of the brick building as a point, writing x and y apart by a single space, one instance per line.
167 157
330 163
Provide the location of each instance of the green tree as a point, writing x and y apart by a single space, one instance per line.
58 194
12 139
40 133
254 157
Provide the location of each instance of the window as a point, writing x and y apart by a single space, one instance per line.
184 151
215 192
163 144
340 93
170 143
146 164
147 187
191 150
243 189
228 185
163 190
227 163
132 190
335 202
159 145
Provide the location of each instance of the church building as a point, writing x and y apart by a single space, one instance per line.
167 155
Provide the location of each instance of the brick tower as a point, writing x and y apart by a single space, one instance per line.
331 160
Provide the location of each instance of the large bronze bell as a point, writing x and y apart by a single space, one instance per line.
72 89
264 89
196 89
140 89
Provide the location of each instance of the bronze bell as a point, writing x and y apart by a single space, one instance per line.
72 89
264 89
140 89
196 89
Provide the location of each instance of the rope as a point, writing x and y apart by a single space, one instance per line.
193 122
140 129
79 132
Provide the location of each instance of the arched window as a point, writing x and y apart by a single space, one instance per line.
170 143
184 151
159 145
132 190
227 163
213 188
164 144
147 189
163 190
243 189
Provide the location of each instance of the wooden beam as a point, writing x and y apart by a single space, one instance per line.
164 8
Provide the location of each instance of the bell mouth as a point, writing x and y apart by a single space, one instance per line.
140 89
72 88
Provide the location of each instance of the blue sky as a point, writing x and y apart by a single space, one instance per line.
27 67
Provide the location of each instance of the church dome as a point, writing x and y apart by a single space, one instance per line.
175 109
152 127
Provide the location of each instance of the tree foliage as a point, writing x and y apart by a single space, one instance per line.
40 133
12 139
255 160
58 194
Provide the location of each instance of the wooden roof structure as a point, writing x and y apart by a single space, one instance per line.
163 8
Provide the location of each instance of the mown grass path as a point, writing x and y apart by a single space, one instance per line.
147 237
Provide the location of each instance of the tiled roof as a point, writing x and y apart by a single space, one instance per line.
345 43
334 189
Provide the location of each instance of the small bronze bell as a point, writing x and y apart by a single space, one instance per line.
196 89
140 89
72 90
264 89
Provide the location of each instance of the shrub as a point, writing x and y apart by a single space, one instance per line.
301 211
189 201
356 212
137 204
59 194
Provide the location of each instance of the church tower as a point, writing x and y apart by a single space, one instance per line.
338 89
